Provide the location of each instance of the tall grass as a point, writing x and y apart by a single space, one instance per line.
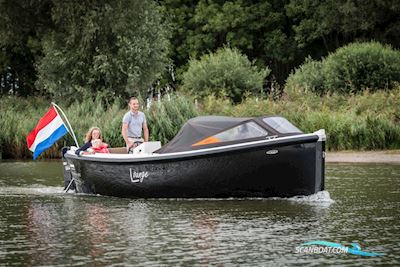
166 117
361 122
19 116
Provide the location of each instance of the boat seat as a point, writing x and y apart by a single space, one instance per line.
117 150
147 147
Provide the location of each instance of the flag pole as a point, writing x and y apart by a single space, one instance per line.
69 125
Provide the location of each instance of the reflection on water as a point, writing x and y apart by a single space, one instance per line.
42 226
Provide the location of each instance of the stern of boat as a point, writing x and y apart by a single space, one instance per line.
320 161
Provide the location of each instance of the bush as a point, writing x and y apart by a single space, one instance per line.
352 68
308 76
362 65
225 72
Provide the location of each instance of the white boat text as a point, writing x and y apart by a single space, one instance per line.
137 177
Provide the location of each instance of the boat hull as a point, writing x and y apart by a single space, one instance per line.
266 170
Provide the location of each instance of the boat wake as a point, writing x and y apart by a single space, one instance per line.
32 190
319 197
322 197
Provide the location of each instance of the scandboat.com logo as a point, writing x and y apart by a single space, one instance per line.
325 247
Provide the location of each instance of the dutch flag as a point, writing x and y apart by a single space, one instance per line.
49 129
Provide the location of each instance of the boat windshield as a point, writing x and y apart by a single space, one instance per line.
282 125
243 131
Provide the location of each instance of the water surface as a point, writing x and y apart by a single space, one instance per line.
40 225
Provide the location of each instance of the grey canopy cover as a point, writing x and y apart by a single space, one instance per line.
197 129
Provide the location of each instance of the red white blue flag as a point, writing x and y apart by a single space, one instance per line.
49 129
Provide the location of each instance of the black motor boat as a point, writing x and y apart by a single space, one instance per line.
210 157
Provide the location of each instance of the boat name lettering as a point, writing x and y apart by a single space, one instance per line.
137 177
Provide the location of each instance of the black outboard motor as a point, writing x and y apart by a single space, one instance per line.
67 172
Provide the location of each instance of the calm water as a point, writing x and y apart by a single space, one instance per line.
42 226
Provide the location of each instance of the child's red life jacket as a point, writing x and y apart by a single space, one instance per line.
101 149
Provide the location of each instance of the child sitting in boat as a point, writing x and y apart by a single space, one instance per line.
98 146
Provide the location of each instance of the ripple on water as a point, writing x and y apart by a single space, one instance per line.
49 228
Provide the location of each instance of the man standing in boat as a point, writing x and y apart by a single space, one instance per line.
133 123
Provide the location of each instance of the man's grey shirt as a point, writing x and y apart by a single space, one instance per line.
135 123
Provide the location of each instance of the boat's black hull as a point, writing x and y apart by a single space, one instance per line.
281 170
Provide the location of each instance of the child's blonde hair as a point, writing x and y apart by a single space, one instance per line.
96 142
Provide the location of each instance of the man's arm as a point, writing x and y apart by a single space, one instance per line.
124 132
83 148
145 132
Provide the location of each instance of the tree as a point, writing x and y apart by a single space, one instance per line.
278 34
116 49
350 69
180 16
22 25
337 23
226 71
257 28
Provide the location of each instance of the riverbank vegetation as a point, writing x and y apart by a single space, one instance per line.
329 64
365 121
350 69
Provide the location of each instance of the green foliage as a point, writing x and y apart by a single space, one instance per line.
87 113
224 72
247 26
167 116
309 76
259 29
278 34
363 121
22 25
335 23
362 65
352 68
118 49
19 116
313 20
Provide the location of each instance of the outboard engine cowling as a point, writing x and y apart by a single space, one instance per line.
67 172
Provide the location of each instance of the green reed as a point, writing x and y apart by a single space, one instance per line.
361 122
18 116
167 116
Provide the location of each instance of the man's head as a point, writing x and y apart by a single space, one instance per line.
134 104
